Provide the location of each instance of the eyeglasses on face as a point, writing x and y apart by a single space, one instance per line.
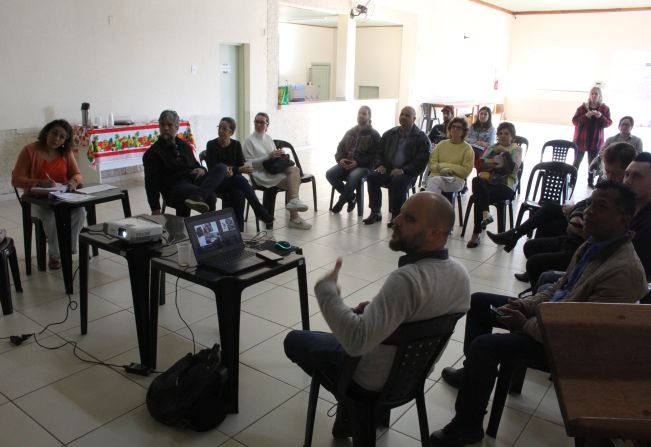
260 122
456 127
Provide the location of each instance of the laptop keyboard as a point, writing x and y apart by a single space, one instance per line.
229 259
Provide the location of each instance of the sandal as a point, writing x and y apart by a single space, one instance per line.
473 244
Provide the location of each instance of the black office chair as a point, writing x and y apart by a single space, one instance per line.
41 239
553 182
418 346
269 193
8 262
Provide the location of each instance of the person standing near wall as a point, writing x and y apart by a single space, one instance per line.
590 120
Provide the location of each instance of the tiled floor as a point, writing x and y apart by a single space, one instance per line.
50 398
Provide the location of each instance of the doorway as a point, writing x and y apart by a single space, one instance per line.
320 78
231 86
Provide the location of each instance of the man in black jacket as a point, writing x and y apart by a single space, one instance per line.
171 170
402 157
638 178
355 155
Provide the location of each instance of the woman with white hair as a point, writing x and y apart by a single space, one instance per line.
590 120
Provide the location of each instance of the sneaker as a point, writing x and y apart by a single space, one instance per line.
338 206
197 204
456 434
295 205
300 224
352 203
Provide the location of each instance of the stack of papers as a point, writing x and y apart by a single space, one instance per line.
58 187
70 196
96 188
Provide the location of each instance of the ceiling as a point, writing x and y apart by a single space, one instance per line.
299 16
565 5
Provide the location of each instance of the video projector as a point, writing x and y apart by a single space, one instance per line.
134 230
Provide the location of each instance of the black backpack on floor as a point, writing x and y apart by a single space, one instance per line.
189 394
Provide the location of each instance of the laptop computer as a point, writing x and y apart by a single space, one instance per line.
218 244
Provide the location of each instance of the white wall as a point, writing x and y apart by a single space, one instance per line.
450 67
126 57
378 59
555 60
300 46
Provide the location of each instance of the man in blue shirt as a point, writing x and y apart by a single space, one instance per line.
604 269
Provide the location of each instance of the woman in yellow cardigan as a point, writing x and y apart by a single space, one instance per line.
451 160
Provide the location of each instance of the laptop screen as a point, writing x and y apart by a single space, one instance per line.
214 233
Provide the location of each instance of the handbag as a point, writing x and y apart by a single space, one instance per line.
277 165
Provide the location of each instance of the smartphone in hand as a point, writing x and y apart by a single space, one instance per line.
497 311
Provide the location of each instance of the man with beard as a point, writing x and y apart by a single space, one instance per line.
355 154
426 284
604 269
171 170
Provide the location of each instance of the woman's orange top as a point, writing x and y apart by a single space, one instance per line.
31 168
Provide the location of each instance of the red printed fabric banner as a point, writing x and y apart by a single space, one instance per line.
122 140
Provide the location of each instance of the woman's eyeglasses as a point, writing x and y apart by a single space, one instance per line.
260 122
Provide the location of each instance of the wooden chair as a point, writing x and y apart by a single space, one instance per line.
601 363
418 346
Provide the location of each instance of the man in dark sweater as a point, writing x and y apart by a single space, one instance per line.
401 159
355 155
171 170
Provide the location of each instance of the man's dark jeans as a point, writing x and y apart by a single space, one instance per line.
398 186
484 352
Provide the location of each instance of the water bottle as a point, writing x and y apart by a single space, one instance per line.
85 114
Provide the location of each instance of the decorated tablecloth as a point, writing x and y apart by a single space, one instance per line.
122 142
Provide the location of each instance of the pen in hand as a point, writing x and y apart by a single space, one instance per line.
52 182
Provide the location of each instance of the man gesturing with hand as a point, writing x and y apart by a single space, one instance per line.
426 284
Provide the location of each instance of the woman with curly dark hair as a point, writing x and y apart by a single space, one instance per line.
48 161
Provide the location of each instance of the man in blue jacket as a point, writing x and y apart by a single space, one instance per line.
402 157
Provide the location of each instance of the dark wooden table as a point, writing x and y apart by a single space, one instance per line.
601 363
138 257
62 211
228 295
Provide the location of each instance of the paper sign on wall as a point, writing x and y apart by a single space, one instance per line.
225 68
